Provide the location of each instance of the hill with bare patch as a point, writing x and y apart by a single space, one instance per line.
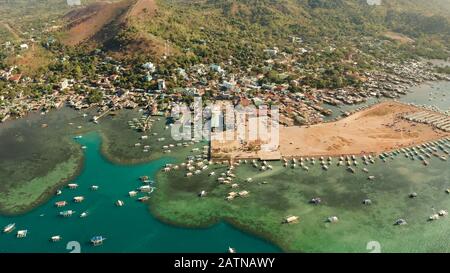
114 26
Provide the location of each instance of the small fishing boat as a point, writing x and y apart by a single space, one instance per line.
97 240
350 169
119 203
22 233
447 191
132 193
9 228
144 179
60 204
78 137
443 213
413 195
94 187
372 177
58 192
55 238
400 222
231 250
202 194
433 217
367 202
84 214
145 188
72 186
67 213
332 219
143 198
315 201
78 199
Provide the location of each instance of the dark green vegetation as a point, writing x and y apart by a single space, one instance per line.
277 194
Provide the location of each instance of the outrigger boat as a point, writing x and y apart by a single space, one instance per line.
97 240
55 238
145 179
22 233
78 199
67 213
9 228
72 186
60 204
145 188
143 199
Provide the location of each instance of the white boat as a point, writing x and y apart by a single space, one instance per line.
83 214
58 192
332 219
145 188
9 228
97 240
433 217
443 213
78 199
55 238
132 193
143 198
94 187
22 233
231 250
67 213
119 203
72 186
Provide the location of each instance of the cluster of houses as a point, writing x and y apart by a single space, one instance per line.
298 104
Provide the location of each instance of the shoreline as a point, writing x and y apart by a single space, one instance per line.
215 221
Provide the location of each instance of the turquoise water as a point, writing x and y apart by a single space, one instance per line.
130 228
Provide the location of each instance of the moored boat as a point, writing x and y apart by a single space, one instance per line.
60 204
78 199
97 240
119 203
67 213
8 228
56 238
22 233
72 186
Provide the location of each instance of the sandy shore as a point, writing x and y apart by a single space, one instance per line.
374 130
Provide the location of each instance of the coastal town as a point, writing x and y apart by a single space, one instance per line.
299 104
312 126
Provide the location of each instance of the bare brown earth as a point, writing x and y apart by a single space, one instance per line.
377 129
398 37
86 22
32 60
